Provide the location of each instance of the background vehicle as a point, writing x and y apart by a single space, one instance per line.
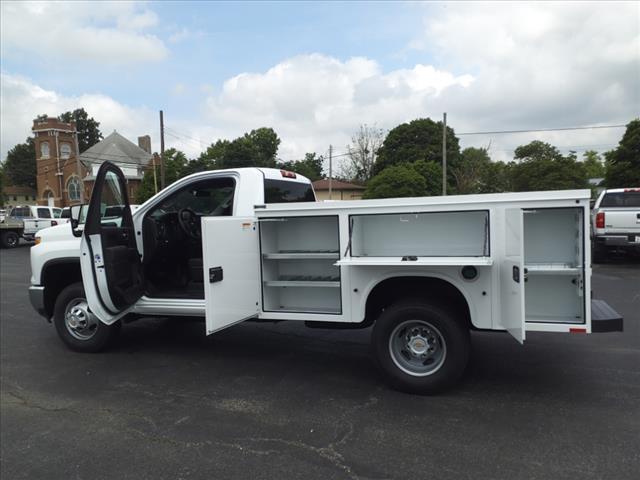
615 222
35 218
251 244
11 230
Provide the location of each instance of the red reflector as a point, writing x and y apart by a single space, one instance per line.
578 330
600 220
287 174
632 189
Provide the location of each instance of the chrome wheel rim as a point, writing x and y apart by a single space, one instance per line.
417 348
12 240
80 322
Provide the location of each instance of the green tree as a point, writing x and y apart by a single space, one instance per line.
310 167
396 181
432 174
175 167
623 163
88 128
593 165
543 167
417 140
213 156
496 178
20 164
265 143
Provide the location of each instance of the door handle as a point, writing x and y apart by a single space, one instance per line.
215 274
516 274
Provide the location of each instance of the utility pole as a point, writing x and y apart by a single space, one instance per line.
330 170
161 150
79 167
155 177
444 154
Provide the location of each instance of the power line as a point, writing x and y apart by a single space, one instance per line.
542 130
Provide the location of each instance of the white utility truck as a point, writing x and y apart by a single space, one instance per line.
252 244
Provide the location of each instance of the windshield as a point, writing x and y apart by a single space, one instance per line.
282 191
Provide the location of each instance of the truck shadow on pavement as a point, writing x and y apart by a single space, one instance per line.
292 353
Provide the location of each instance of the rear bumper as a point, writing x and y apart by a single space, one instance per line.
36 297
627 240
604 318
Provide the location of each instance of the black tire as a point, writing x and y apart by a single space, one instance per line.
452 333
98 338
9 239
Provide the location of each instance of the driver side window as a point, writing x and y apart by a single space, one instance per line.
212 197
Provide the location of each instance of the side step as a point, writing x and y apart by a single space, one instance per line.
604 318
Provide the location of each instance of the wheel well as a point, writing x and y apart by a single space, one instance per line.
56 275
432 290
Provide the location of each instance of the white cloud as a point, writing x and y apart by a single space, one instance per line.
502 66
314 100
106 32
22 101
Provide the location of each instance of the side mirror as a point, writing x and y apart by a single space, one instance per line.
76 218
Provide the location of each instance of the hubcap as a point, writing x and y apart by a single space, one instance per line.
79 321
417 348
12 240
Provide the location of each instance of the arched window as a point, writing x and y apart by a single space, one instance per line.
44 149
73 189
65 150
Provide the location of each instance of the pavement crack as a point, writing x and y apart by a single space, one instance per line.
23 401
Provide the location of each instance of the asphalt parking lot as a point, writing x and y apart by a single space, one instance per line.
282 401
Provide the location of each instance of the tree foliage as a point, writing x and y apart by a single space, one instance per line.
468 171
417 140
176 166
88 128
362 154
20 165
623 163
396 181
432 174
310 167
543 167
593 164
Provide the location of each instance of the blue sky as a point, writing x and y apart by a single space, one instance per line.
315 71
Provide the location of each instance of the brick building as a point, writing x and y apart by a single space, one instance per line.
57 179
61 175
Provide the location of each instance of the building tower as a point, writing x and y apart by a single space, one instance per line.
57 182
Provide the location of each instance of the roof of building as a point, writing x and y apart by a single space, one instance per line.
18 190
335 185
117 149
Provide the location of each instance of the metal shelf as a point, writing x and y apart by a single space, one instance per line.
552 269
301 256
302 283
419 262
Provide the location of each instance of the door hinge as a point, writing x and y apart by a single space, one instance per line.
215 274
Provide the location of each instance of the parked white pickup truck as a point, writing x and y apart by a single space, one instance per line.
252 244
36 217
616 222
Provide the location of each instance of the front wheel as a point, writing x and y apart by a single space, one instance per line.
419 347
9 239
77 327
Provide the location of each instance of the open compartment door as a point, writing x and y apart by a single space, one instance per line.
231 264
512 276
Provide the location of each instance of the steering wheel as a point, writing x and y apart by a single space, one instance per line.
189 223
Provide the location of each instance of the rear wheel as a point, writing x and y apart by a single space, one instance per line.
420 348
9 239
77 327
